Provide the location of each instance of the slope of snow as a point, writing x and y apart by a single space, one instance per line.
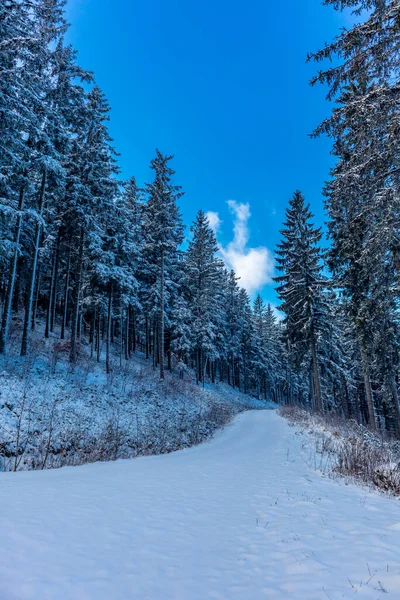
239 517
57 416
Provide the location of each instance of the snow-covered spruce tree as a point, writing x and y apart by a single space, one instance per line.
23 140
182 341
43 106
274 360
238 351
301 288
363 199
385 346
268 360
339 359
364 124
246 338
113 259
91 188
163 231
232 333
203 273
134 215
260 349
15 43
69 97
48 169
368 284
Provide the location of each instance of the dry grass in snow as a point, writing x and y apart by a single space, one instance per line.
340 447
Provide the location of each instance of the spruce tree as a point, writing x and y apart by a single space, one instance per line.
163 230
203 271
301 286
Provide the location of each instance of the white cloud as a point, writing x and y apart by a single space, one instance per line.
254 266
214 220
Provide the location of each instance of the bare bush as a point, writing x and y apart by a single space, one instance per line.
349 449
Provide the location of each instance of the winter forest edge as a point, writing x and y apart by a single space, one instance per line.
92 268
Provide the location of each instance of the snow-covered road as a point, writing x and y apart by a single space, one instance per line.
241 517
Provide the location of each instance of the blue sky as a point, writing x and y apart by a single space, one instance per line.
223 86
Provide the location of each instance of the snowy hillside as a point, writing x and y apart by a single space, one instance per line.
240 517
52 415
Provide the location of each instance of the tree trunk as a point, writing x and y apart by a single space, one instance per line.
65 304
32 279
109 327
396 408
77 290
92 333
36 301
127 336
133 319
169 356
50 302
147 338
5 323
346 402
161 325
153 343
368 389
98 339
204 369
396 260
121 338
198 366
53 303
317 382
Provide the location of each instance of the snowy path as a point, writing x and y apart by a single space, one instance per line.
241 517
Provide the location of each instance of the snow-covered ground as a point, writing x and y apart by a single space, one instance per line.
240 517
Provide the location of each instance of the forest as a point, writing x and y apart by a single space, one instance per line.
105 266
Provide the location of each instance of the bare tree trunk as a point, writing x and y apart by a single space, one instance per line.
32 279
92 333
396 260
127 336
153 343
49 304
36 301
65 307
368 389
5 323
357 408
77 290
204 369
346 402
98 340
396 405
199 367
169 357
53 303
317 382
133 320
121 337
147 338
109 327
161 325
244 375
